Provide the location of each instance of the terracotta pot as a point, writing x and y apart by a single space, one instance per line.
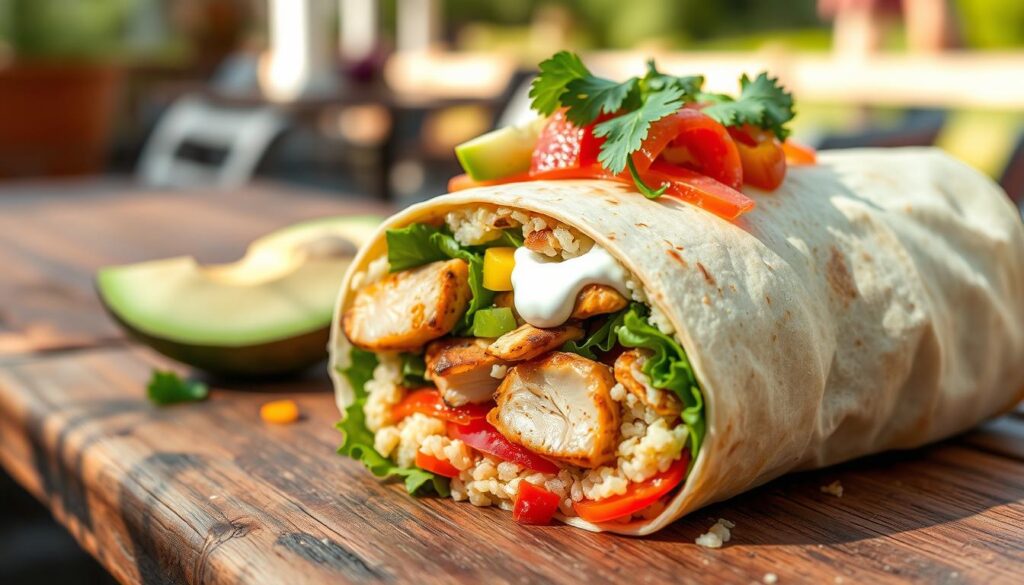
56 119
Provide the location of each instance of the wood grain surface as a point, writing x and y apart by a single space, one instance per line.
208 493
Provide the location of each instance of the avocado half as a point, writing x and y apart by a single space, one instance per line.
266 314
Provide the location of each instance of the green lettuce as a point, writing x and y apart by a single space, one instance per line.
668 368
357 441
603 338
414 370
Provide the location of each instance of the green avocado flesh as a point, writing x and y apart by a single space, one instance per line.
500 153
268 313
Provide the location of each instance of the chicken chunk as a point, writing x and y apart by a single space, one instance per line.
461 370
597 299
405 310
629 373
542 242
560 406
527 342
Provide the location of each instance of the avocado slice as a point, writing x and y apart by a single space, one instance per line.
266 314
500 153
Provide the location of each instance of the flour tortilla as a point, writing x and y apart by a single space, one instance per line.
873 302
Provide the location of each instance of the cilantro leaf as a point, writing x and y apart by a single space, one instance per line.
762 102
555 73
589 97
655 80
167 388
624 134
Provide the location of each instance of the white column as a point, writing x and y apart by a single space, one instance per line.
358 26
300 57
417 24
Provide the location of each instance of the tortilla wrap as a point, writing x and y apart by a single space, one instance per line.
873 302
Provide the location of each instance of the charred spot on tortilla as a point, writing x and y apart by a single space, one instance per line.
679 259
707 275
839 277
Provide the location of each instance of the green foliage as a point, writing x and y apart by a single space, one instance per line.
79 29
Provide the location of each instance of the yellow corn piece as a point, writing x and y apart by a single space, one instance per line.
498 264
280 412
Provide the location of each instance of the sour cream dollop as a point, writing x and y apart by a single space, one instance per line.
546 289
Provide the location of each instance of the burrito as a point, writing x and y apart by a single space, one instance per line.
572 349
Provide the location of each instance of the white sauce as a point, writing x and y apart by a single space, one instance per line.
546 290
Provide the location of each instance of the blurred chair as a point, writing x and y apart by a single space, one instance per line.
196 143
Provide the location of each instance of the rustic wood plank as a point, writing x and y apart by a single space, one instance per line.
53 238
208 493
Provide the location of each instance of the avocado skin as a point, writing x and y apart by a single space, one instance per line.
280 357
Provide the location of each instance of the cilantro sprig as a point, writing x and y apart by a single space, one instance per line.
762 102
636 103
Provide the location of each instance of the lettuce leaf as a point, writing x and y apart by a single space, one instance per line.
414 370
602 339
410 247
357 440
668 368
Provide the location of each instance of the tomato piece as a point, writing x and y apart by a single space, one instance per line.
428 401
691 139
799 154
700 190
534 504
480 435
637 497
463 181
435 465
563 145
764 162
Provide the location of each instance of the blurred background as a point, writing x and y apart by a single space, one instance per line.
367 98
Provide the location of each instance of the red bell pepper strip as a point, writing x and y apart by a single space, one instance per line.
428 401
637 497
690 139
799 154
435 465
764 161
700 190
534 504
463 181
480 435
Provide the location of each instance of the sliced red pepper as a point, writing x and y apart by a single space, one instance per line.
637 497
463 181
435 465
480 435
700 190
799 154
764 161
534 504
428 401
691 139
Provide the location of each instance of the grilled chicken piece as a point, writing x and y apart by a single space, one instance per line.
461 370
542 242
597 299
628 372
527 342
407 309
560 406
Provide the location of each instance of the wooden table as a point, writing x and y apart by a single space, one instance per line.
207 493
